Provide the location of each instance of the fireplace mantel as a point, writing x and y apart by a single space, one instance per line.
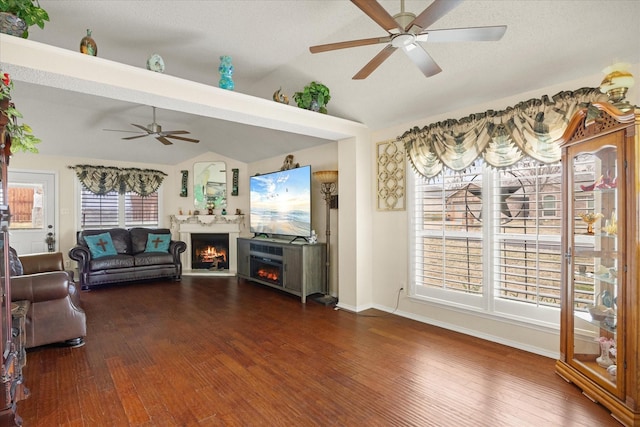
186 225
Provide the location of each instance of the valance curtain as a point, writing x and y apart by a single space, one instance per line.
101 180
502 138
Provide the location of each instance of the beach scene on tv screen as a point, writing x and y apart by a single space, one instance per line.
281 203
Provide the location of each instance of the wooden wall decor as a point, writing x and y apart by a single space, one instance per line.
391 175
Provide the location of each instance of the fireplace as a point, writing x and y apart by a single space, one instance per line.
210 251
193 226
267 269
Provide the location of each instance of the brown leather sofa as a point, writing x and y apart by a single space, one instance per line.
131 261
55 314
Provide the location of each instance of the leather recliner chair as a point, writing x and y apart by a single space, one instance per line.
55 314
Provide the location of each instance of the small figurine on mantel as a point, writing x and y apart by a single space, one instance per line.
289 164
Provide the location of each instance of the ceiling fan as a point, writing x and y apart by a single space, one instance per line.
156 130
406 31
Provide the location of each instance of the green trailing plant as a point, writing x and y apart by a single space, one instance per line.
22 138
314 91
27 10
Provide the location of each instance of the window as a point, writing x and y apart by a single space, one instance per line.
549 205
26 204
118 210
484 239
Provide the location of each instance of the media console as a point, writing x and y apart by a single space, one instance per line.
294 267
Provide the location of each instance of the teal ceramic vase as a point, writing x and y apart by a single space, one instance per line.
226 72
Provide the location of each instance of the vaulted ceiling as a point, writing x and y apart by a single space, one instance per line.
547 42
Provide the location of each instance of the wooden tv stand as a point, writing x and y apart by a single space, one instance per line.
294 267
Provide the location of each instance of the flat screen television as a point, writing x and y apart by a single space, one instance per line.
280 203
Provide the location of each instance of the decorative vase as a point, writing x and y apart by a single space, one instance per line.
590 219
604 360
315 106
12 25
226 73
88 45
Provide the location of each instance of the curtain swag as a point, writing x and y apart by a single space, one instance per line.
502 138
101 180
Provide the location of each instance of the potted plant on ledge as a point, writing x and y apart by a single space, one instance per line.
16 16
19 137
315 96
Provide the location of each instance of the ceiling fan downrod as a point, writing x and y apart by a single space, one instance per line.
404 18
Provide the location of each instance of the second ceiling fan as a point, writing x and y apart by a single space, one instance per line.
155 129
405 31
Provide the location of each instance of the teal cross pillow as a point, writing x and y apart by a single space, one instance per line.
158 242
100 245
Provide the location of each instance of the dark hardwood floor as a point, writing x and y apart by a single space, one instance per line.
218 352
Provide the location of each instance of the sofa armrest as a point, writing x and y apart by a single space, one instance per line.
176 247
40 286
82 255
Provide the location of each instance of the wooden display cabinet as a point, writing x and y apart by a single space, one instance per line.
600 318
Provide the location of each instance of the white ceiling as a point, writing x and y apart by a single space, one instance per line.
546 43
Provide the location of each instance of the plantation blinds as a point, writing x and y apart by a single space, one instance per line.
118 210
489 239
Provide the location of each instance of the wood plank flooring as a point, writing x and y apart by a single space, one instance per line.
223 352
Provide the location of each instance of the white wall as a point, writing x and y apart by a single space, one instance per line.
390 259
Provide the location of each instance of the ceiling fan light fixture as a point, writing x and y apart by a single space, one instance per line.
403 40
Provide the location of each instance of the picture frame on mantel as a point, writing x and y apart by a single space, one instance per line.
391 176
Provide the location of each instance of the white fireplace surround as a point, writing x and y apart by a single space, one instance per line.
208 224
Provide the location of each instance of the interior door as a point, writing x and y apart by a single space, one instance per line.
32 205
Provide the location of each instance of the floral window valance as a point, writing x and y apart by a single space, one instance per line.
101 180
531 128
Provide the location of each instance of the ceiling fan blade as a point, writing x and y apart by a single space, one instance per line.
471 34
374 63
351 43
422 59
182 138
164 140
141 127
378 13
174 132
431 14
120 130
137 136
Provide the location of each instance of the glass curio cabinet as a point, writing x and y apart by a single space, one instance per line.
600 240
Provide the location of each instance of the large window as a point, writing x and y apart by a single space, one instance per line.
118 210
489 240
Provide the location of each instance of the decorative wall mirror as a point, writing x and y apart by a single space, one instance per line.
210 185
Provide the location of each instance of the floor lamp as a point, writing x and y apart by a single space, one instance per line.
328 184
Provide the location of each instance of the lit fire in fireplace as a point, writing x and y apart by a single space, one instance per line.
212 255
269 273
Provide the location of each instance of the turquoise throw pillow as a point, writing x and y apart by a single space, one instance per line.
100 245
158 242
